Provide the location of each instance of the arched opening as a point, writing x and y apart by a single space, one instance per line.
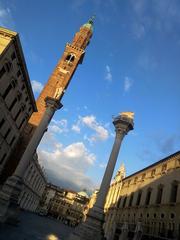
70 57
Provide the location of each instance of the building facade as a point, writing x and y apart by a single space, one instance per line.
16 97
145 203
34 183
66 205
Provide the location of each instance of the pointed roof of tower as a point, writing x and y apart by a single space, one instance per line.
121 173
90 23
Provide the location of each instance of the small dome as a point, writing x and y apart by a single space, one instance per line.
83 194
90 23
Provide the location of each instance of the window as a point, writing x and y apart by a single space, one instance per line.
12 104
23 87
174 189
12 141
8 89
159 194
18 73
2 122
70 58
131 199
148 196
138 198
143 177
7 133
17 115
21 123
23 106
153 172
2 72
135 180
124 202
119 203
164 168
3 157
14 82
13 56
8 66
19 96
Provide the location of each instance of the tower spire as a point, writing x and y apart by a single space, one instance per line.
90 23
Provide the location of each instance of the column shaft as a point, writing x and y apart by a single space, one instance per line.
34 142
109 171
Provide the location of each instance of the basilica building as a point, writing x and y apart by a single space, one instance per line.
146 203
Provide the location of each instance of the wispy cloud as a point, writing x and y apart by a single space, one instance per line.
99 131
161 16
108 75
6 19
128 82
76 128
59 126
36 86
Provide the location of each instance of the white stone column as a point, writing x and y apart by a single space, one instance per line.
101 198
11 189
92 228
51 106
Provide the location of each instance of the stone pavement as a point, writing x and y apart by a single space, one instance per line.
34 227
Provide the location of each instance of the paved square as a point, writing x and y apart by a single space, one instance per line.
34 227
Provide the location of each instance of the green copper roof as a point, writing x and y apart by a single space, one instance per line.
90 23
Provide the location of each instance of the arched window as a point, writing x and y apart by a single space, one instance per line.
148 196
124 202
131 199
159 194
119 202
70 57
174 189
138 198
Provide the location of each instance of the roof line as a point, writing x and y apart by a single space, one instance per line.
154 164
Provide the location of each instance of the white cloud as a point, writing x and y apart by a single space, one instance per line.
6 19
108 76
162 17
138 30
58 126
102 165
128 82
36 86
101 133
67 166
76 128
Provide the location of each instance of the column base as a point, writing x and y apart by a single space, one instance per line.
9 194
92 228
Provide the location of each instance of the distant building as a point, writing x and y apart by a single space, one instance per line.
16 97
34 183
147 202
66 205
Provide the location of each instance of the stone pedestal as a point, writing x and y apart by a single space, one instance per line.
11 190
92 228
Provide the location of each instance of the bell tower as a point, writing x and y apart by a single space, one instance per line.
54 88
64 70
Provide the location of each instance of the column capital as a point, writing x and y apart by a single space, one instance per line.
123 124
53 103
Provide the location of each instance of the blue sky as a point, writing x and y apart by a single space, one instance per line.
131 64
